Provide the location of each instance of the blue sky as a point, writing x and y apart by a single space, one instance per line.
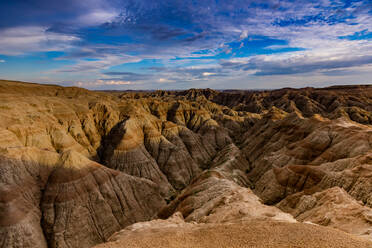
174 44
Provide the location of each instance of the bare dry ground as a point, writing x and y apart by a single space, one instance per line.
248 234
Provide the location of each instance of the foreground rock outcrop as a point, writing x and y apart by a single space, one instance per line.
67 200
78 166
331 207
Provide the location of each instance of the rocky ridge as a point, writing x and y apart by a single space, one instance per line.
78 166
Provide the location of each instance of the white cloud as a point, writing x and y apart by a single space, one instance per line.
164 80
212 65
243 35
113 82
2 61
100 82
206 74
104 62
319 38
21 40
277 47
96 17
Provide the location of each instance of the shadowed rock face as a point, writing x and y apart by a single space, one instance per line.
77 166
69 200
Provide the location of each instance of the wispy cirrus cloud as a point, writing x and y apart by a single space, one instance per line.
264 66
98 64
130 76
102 84
27 39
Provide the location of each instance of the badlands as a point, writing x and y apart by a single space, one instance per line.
193 168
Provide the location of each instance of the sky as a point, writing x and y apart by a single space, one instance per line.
181 44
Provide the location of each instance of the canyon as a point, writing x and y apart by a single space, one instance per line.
192 168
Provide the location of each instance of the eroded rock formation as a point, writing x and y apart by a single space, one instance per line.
77 166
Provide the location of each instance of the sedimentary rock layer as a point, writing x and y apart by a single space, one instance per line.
77 166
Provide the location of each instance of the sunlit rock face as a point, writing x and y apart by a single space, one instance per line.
78 166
